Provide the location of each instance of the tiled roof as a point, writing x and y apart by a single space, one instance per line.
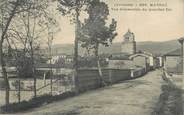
176 52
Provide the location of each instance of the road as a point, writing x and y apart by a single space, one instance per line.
133 97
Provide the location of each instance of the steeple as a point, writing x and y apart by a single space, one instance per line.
129 36
128 44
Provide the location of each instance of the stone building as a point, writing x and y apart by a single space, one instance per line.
128 58
122 59
172 61
129 44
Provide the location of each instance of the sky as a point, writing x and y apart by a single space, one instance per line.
146 25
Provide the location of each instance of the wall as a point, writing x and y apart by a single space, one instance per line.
139 72
89 78
173 64
140 61
121 64
151 61
128 47
160 61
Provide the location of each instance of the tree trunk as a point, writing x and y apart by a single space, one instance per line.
76 52
99 66
51 75
5 76
33 69
3 65
19 90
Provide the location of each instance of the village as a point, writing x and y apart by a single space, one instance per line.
94 74
128 64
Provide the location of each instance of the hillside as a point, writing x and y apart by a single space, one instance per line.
158 47
148 46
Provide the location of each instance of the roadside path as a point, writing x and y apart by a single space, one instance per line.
133 97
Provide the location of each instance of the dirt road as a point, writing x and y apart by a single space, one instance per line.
133 97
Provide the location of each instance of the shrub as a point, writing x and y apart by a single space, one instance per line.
170 101
34 102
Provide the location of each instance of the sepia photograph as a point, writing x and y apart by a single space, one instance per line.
91 57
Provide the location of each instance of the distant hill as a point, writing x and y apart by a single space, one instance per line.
157 48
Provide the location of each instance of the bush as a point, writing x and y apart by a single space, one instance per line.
170 101
34 102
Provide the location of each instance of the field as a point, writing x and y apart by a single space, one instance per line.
43 87
60 84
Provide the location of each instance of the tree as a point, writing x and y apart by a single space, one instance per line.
50 40
18 85
10 12
8 8
95 32
34 26
74 8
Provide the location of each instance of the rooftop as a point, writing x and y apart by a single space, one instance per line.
176 52
129 36
119 56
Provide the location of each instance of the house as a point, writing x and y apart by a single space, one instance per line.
173 61
56 57
160 61
173 65
141 60
129 58
121 61
128 48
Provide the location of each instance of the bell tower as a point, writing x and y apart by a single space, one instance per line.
128 44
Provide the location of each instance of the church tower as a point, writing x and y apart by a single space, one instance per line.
129 44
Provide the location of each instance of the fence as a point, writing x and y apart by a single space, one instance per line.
60 85
88 79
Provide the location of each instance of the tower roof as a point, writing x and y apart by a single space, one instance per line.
129 36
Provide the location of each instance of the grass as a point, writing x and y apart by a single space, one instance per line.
170 101
34 102
27 95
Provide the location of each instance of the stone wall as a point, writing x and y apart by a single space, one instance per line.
128 47
89 78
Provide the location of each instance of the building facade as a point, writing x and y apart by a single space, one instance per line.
173 62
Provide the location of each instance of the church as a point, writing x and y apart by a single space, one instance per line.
129 57
129 44
128 47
